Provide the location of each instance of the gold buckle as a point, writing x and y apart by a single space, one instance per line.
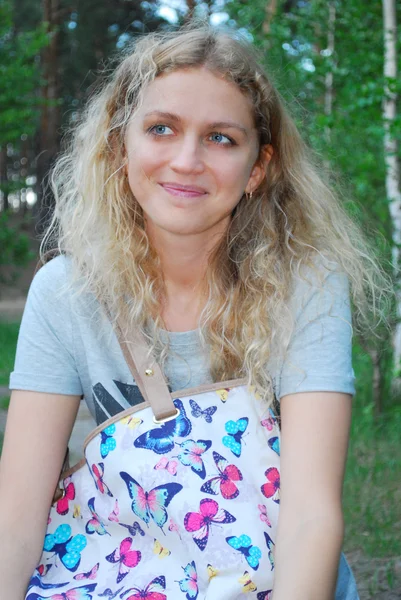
161 421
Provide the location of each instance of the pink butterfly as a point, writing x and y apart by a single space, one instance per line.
89 575
271 489
263 515
201 522
268 423
68 495
113 516
153 591
126 558
174 527
225 480
79 593
97 472
169 465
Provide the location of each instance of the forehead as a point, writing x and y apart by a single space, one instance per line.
197 94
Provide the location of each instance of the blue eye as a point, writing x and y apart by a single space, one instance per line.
222 140
159 130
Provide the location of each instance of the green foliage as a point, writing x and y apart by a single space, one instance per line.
8 345
19 77
350 138
14 249
295 53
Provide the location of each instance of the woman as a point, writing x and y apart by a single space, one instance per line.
188 204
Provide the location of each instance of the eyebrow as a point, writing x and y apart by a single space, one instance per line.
214 125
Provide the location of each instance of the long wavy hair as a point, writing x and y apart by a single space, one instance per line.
292 219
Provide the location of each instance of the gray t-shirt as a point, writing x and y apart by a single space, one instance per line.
66 346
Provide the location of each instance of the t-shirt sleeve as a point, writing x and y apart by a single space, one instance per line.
319 354
45 350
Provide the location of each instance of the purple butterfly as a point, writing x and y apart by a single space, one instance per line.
134 528
197 412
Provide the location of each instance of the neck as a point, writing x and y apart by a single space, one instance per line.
184 259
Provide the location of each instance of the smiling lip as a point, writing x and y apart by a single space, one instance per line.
184 191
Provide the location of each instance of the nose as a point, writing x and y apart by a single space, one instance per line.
187 157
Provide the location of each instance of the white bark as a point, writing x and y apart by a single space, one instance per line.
390 153
329 78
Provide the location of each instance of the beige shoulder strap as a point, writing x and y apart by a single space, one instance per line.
147 375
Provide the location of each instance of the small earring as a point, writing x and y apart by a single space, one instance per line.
249 196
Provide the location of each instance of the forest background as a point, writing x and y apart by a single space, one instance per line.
335 64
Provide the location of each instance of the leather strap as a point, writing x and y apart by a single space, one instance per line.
147 374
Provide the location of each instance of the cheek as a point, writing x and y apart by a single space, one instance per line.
143 156
233 174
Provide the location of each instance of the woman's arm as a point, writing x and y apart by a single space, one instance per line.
37 433
314 443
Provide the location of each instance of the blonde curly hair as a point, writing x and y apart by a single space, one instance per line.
292 219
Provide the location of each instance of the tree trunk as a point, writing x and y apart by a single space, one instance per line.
49 136
3 177
191 10
270 11
393 191
377 383
329 78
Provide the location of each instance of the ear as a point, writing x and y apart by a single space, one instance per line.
259 168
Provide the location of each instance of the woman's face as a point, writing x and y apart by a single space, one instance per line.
192 151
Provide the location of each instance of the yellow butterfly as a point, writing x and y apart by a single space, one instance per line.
253 391
211 572
77 511
223 394
158 549
247 582
131 421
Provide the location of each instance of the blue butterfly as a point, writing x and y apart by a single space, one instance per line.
270 544
189 585
152 504
235 430
161 439
207 413
274 444
80 593
67 547
244 545
36 581
107 442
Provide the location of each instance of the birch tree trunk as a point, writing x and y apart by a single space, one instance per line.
270 11
49 134
329 78
390 156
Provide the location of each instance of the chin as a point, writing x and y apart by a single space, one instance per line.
184 228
